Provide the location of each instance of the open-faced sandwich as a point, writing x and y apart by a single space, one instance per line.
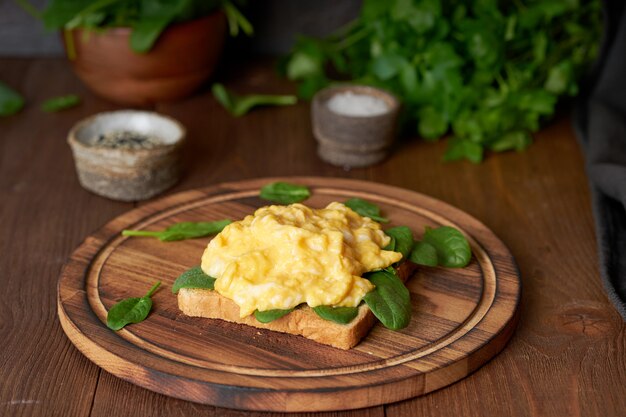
324 274
294 269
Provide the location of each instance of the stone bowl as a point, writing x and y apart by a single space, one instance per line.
121 173
353 141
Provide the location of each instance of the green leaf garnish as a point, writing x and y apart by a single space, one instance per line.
284 193
11 101
424 254
341 315
240 105
390 301
452 248
366 209
270 315
193 278
60 103
130 310
401 240
181 231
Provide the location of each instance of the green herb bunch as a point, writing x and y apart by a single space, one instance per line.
490 71
147 18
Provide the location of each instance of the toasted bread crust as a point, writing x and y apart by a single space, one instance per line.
302 321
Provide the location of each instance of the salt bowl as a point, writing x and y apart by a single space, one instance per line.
354 124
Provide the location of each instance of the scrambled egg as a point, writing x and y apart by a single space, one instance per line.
283 256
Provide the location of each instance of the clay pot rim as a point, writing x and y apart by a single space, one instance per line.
322 96
74 142
125 31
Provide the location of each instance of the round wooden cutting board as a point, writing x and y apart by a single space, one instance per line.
461 317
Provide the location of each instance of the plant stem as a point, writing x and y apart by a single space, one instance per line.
351 39
70 48
153 289
143 233
241 105
29 8
236 20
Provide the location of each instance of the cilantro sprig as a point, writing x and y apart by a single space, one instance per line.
490 72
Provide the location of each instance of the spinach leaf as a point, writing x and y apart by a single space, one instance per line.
193 278
401 240
60 12
284 192
240 105
452 248
341 315
390 301
424 254
60 103
182 231
154 17
10 101
270 315
366 209
130 310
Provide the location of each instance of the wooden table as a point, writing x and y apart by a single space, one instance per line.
567 358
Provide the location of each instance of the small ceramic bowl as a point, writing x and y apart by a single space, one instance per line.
119 171
353 140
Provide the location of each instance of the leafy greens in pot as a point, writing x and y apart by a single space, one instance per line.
147 18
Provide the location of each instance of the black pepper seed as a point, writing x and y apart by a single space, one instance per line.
126 140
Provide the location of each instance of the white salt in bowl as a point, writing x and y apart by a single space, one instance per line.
354 125
351 103
127 174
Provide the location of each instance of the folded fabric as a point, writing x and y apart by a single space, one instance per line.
600 121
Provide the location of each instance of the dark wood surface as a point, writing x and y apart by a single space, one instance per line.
568 356
460 317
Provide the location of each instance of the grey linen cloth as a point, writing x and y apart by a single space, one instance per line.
600 121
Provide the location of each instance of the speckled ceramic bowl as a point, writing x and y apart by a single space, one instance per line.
353 141
127 174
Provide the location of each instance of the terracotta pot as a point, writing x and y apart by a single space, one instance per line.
183 57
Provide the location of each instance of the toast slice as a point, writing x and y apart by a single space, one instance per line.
302 321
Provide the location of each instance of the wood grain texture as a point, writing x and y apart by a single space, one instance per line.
567 357
461 317
38 367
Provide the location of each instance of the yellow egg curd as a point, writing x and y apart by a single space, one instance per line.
283 256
